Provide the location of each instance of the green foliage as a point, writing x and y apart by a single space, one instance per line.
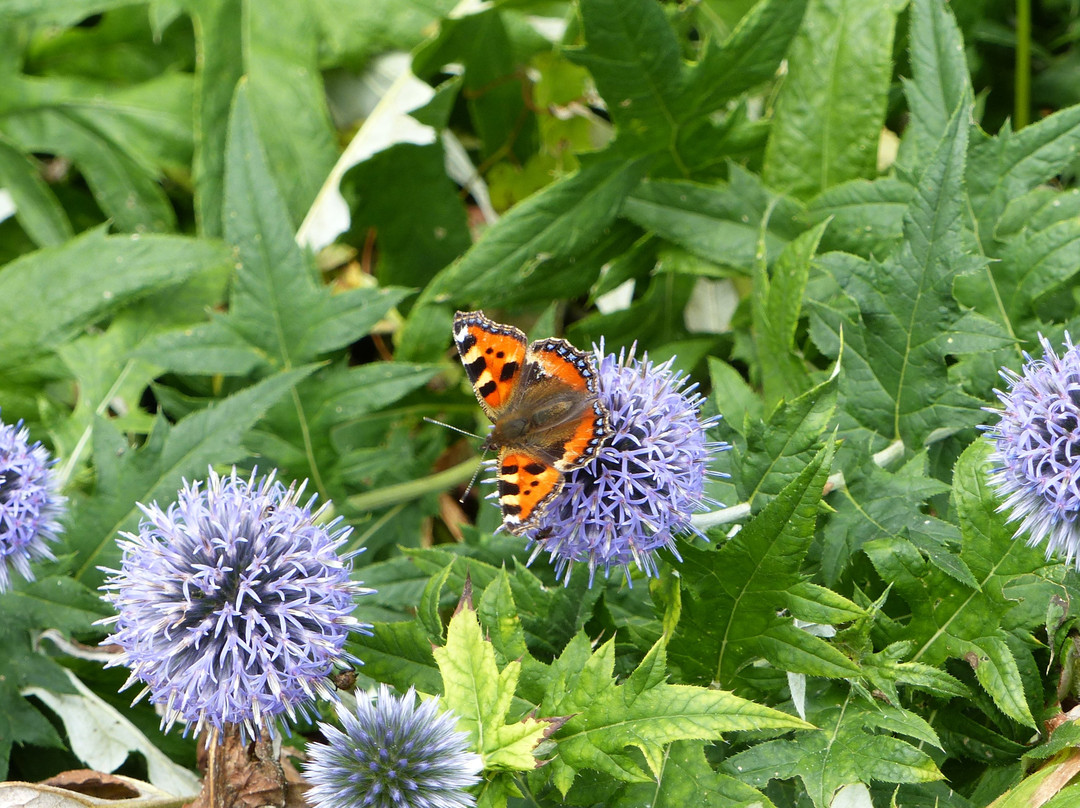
816 207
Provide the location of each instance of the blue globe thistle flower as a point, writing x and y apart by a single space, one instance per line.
30 503
640 491
1037 449
392 754
233 605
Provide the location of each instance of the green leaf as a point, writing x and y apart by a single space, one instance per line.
953 620
83 280
634 59
779 447
866 217
847 749
734 398
877 503
400 655
120 139
736 599
274 280
480 696
1009 165
720 223
427 611
895 380
776 306
750 56
643 712
558 222
939 82
55 603
685 777
831 107
155 472
414 241
36 207
277 49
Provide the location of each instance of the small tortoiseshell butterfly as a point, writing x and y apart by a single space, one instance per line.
542 400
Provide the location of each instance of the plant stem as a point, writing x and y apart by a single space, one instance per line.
1022 93
413 489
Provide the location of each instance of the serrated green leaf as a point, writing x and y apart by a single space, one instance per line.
846 749
1012 163
498 613
895 380
877 503
734 599
939 82
684 777
831 106
427 612
634 59
720 223
750 56
274 282
480 695
644 712
951 620
277 50
156 471
778 448
399 654
866 218
776 306
558 222
84 280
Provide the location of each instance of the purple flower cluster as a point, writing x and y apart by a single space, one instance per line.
30 503
1037 449
640 491
392 754
234 604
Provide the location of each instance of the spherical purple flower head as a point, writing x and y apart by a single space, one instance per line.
1037 449
30 503
640 491
392 754
234 605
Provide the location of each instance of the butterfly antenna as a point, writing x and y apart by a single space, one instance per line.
476 474
454 428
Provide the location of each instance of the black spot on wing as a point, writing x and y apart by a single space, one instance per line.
508 488
475 368
509 370
509 469
510 509
535 468
487 388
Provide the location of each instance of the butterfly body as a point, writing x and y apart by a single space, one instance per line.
542 402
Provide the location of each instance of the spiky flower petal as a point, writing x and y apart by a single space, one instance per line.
392 754
1037 449
30 503
640 491
234 604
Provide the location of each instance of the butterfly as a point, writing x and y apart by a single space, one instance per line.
542 400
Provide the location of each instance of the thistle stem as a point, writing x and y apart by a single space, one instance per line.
724 516
413 489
